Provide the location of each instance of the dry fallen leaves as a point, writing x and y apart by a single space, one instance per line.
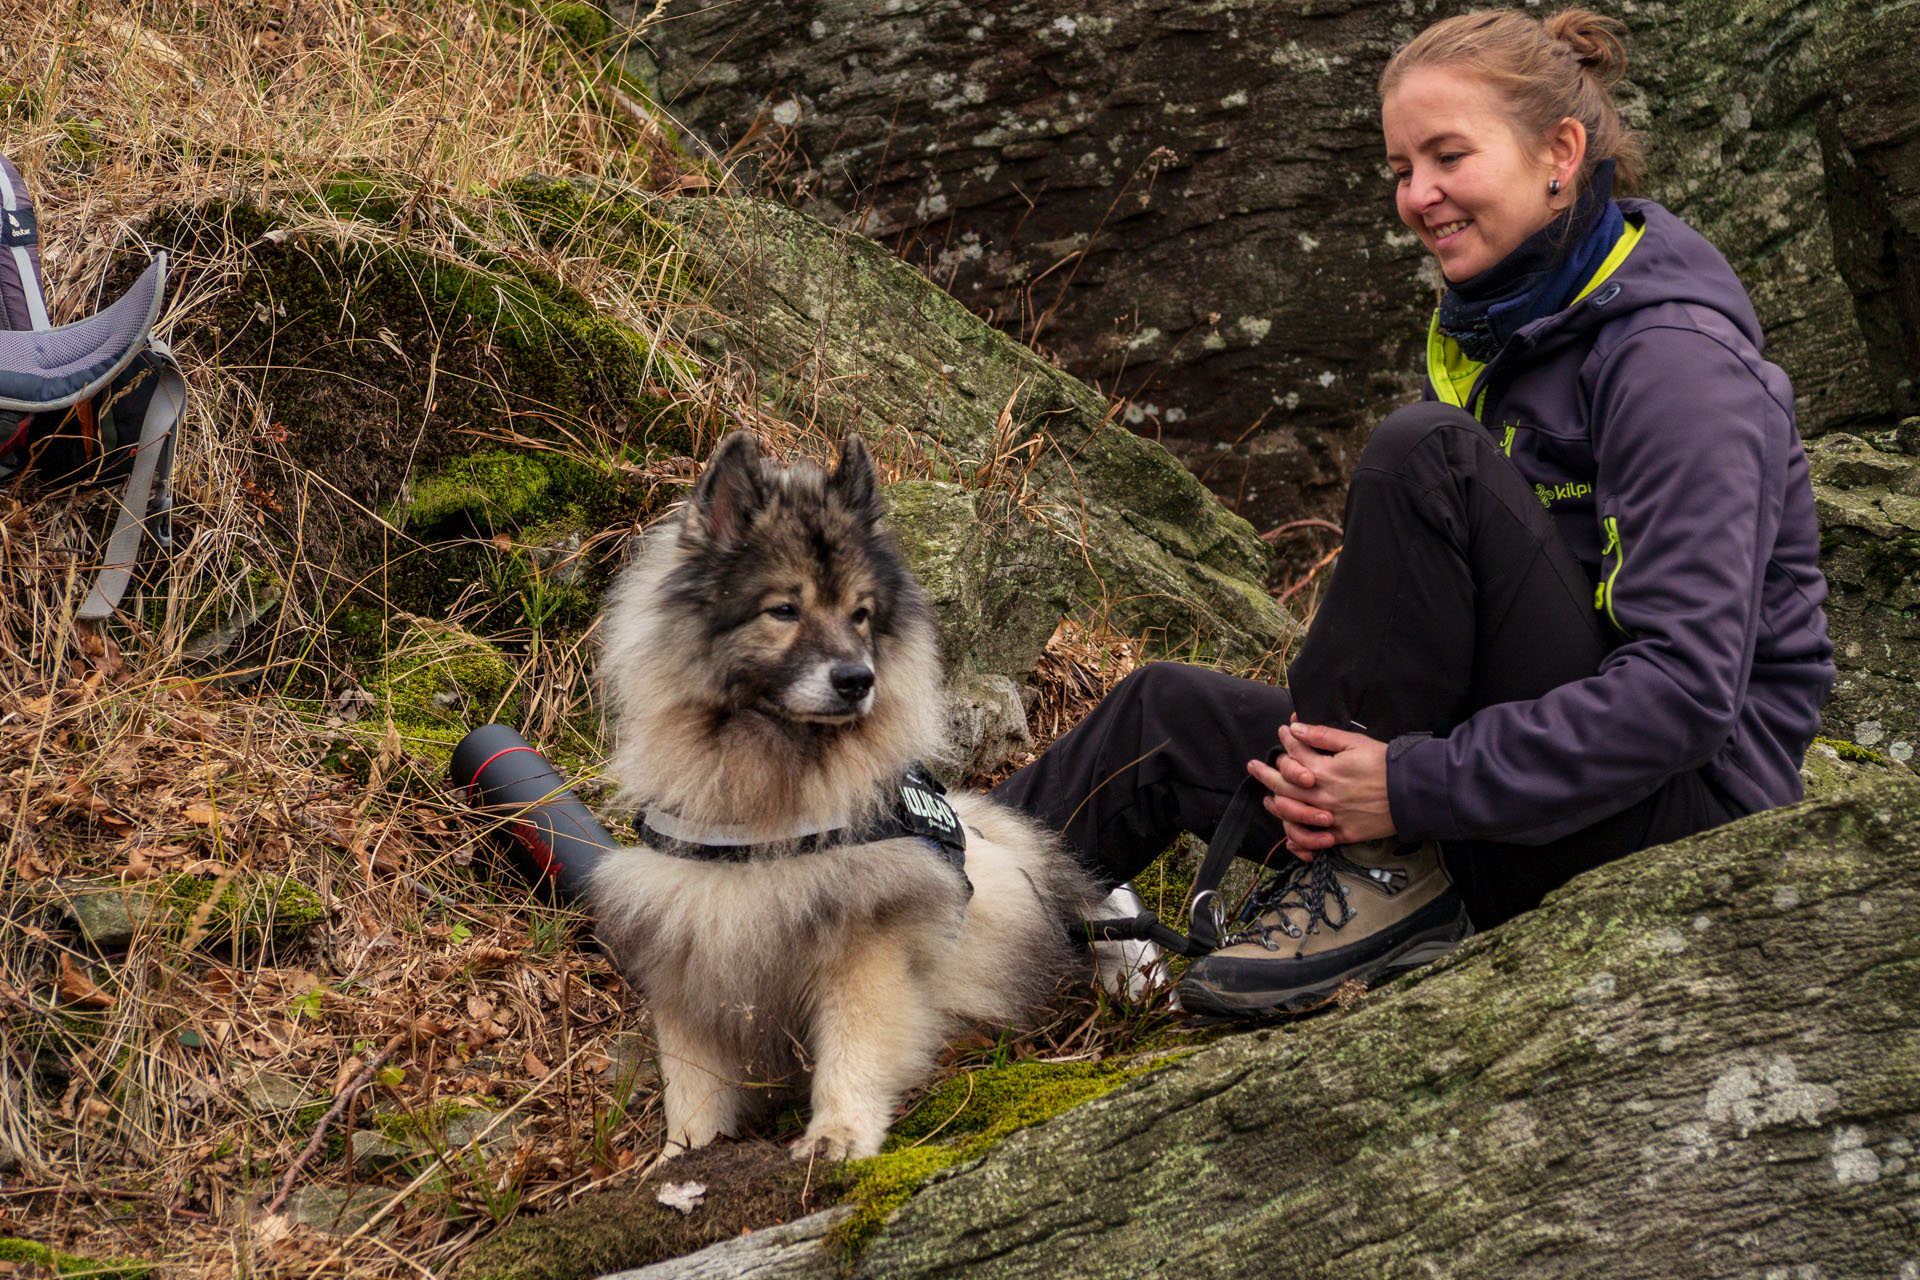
78 988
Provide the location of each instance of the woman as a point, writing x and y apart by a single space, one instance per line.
1578 609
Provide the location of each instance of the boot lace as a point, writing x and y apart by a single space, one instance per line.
1312 888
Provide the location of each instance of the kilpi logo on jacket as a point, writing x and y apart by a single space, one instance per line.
1550 495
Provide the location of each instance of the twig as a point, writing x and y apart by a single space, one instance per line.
319 1137
1281 531
1300 586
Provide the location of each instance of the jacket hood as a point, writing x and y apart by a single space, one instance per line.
1672 263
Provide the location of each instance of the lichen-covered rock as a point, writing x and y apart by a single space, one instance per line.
1186 202
1832 765
1869 503
833 321
997 581
1699 1060
264 911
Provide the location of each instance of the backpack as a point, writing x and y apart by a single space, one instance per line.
90 402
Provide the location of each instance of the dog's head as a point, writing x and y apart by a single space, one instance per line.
796 581
771 659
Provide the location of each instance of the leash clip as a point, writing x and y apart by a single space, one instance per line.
1207 924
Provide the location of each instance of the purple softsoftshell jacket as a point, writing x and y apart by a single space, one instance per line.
1664 446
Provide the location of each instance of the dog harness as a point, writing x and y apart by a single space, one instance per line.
920 812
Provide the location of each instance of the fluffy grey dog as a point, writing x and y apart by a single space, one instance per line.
773 669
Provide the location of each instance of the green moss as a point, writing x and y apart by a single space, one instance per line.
68 1265
959 1121
584 24
21 102
1853 751
257 907
439 681
495 488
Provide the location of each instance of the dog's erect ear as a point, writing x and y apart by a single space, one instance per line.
854 480
728 493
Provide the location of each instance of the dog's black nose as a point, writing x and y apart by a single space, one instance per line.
851 680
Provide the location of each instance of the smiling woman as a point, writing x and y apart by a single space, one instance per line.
1578 607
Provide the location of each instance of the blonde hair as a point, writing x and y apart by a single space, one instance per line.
1544 72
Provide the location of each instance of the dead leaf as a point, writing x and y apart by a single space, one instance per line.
202 815
535 1069
78 988
479 1008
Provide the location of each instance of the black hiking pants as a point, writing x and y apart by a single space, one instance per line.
1453 592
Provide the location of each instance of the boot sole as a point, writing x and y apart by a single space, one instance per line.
1200 996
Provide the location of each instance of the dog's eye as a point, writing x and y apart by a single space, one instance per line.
861 615
785 611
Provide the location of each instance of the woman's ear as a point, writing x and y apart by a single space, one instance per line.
1566 152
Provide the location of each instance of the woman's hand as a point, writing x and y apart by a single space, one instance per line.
1330 787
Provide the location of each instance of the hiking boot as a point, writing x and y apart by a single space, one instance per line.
1356 912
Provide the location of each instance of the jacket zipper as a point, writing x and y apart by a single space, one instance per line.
1603 592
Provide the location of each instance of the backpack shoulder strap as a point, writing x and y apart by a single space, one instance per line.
147 501
23 300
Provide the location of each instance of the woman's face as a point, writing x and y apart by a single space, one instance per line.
1468 186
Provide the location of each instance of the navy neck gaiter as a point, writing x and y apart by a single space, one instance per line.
1482 312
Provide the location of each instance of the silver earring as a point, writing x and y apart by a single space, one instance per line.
1553 187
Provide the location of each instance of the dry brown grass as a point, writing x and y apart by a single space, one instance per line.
123 773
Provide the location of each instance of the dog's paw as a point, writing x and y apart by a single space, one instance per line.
830 1142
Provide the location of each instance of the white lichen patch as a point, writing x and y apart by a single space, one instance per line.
1255 327
1868 732
1328 378
1066 26
1144 338
1786 897
1307 243
1600 986
1750 1099
786 114
1238 98
1701 924
1901 751
1670 941
1678 1149
1853 1160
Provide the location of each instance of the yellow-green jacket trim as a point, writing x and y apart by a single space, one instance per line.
1453 373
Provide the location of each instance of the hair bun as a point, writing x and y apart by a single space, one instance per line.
1595 41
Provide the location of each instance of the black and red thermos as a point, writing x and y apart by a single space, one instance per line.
547 832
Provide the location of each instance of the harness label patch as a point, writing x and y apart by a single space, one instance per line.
929 814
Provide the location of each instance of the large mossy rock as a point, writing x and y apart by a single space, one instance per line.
1700 1060
424 386
1869 502
838 329
1186 201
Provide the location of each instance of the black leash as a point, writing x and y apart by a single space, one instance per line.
1207 917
